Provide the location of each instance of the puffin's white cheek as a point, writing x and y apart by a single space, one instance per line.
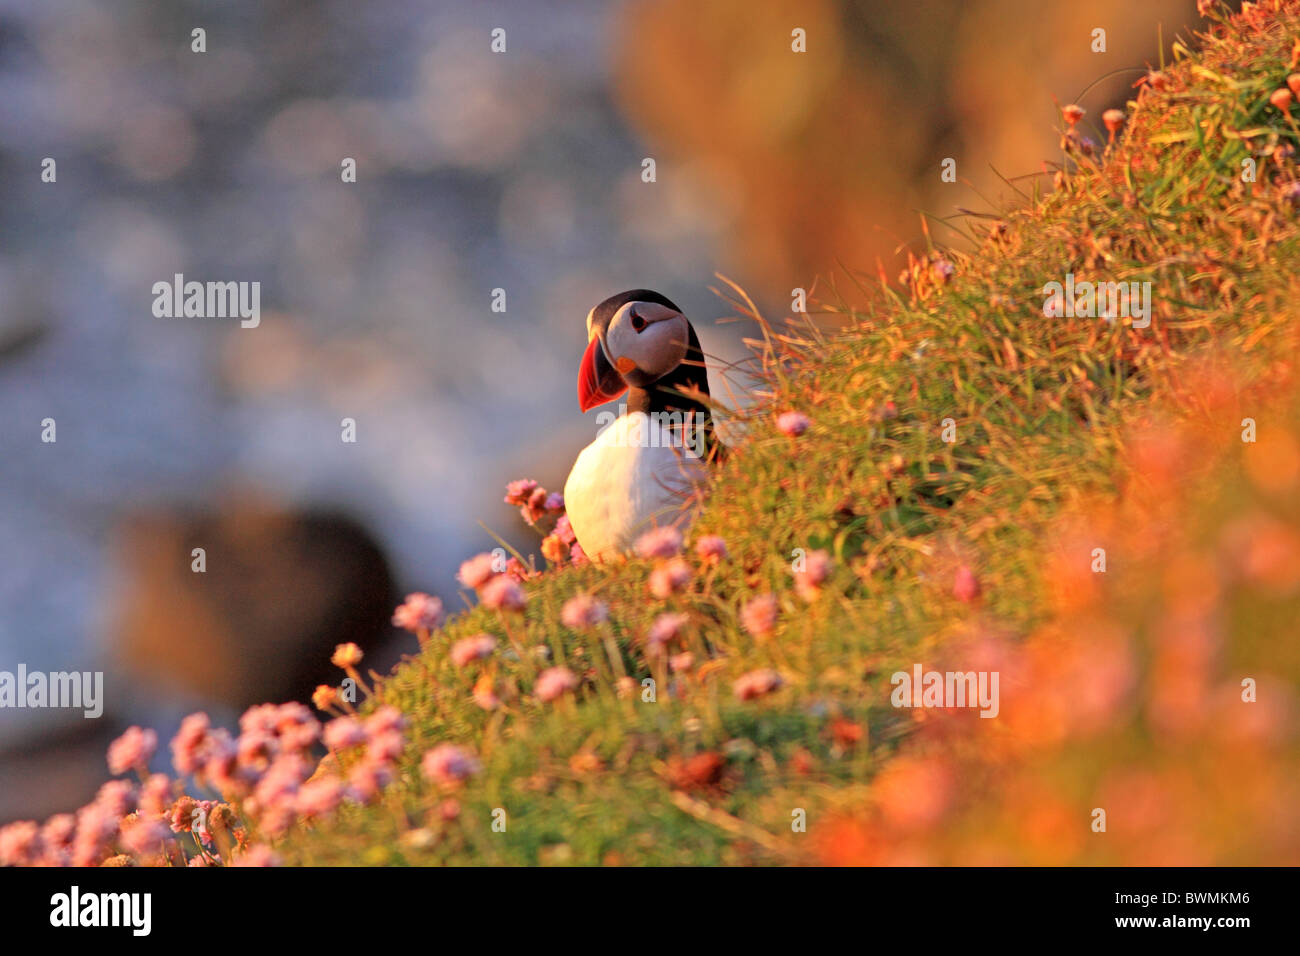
664 345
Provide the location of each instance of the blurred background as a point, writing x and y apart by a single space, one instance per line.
476 171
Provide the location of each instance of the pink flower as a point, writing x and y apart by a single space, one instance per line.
188 744
366 780
503 593
156 795
478 570
759 615
420 612
583 611
659 543
555 501
447 764
319 797
386 747
817 568
471 649
134 749
553 682
682 662
966 587
344 733
576 555
711 549
144 837
116 798
346 656
757 684
518 492
670 577
260 855
564 530
535 506
792 423
58 831
20 844
385 719
484 696
663 631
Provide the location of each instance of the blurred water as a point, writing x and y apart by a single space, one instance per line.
475 170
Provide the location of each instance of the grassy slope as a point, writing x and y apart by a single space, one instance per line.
1039 406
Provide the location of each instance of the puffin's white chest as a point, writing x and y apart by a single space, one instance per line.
630 479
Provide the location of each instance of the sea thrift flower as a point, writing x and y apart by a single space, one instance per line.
1281 99
792 424
966 586
58 831
564 530
144 837
484 696
134 749
759 615
420 612
1113 119
478 570
535 506
20 844
663 631
319 797
817 568
187 746
324 697
503 593
448 764
116 798
384 719
555 501
1293 84
711 549
1157 80
1073 113
757 684
943 270
663 542
577 556
343 733
518 492
346 656
386 747
155 796
366 780
682 662
470 649
260 855
553 682
583 611
554 549
670 577
515 569
182 814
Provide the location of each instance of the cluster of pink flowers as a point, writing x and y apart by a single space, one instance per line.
554 682
582 611
268 771
496 588
533 501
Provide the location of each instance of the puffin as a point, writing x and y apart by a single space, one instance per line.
646 466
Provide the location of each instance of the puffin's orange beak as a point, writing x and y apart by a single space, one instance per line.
598 380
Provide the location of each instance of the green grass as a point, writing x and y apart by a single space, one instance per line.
1039 407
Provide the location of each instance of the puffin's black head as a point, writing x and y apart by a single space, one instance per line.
634 339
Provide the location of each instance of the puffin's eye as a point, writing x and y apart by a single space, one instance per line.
638 323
